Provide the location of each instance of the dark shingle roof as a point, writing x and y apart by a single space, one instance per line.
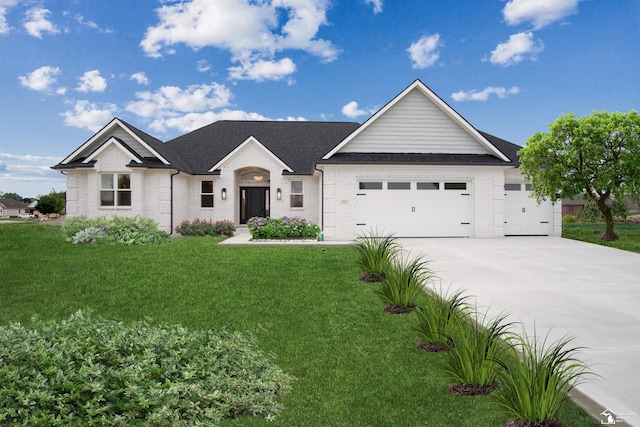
298 144
507 148
13 204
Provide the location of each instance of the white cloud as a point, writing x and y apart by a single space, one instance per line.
41 79
30 158
5 5
203 66
171 101
192 121
483 95
352 111
80 19
539 12
251 31
261 70
88 115
518 47
92 81
36 22
424 53
377 5
140 78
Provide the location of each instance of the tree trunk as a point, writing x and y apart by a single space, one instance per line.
609 235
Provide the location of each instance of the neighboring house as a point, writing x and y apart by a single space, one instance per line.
415 168
571 207
10 207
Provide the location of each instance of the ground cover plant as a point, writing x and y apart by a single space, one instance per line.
403 283
473 362
628 233
86 370
354 364
536 378
375 254
282 228
203 227
134 230
437 318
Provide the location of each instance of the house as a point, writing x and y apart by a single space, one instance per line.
415 168
12 208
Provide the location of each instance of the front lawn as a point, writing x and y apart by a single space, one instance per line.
354 364
629 234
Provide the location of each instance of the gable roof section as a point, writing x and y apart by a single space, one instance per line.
298 145
150 145
117 142
483 145
250 140
13 204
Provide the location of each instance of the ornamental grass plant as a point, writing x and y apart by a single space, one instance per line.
536 377
403 282
375 254
438 316
478 349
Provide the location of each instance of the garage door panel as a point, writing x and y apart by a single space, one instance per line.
426 212
523 215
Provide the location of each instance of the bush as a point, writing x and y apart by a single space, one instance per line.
404 282
474 359
86 371
375 255
116 229
591 214
438 316
282 228
534 385
203 227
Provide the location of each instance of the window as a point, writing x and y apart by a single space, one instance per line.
206 194
398 185
428 185
455 185
115 189
528 187
370 186
296 194
512 187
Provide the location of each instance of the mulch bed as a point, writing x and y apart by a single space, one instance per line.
526 423
398 309
471 390
431 347
368 277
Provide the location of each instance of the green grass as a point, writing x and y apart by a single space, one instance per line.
355 364
629 235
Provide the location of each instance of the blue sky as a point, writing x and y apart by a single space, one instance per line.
167 67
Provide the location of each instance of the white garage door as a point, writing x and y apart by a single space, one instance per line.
523 215
415 208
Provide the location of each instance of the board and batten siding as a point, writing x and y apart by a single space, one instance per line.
414 125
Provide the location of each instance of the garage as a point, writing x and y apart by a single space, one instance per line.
523 215
428 208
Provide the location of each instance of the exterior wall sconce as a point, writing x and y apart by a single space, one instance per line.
224 194
279 194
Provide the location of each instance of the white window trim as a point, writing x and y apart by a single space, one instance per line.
115 191
291 194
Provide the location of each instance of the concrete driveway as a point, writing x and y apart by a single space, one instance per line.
563 287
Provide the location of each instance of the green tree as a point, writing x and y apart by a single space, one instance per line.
53 202
14 196
596 155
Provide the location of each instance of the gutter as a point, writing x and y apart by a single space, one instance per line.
171 202
321 196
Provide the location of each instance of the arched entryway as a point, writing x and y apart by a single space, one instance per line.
254 193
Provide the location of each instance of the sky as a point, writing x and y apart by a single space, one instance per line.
168 67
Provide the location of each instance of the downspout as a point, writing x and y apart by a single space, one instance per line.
321 196
171 203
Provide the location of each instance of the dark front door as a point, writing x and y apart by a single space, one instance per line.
254 201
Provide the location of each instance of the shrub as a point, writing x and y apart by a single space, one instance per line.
116 229
438 316
86 371
375 255
282 228
474 359
534 385
403 283
203 227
